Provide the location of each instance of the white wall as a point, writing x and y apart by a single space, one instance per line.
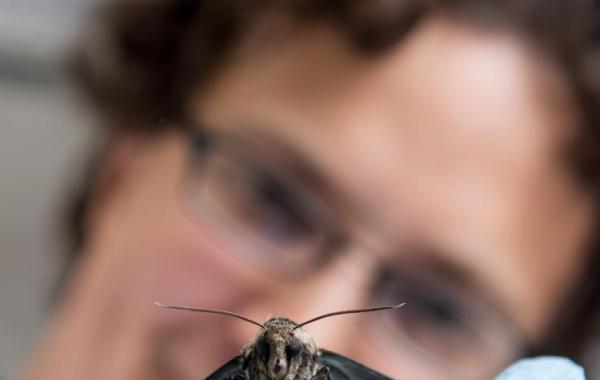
43 137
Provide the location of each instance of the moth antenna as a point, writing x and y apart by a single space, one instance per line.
348 312
212 311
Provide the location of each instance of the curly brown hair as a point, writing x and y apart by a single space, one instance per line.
143 58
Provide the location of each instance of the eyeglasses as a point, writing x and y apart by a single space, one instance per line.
259 209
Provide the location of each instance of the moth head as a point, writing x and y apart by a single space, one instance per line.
281 348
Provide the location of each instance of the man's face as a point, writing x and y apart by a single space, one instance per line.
439 162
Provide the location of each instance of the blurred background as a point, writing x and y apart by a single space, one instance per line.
43 136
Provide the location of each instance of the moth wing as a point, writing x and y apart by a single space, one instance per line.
343 368
228 370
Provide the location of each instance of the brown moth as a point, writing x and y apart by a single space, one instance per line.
283 350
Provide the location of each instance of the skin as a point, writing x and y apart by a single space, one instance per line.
452 139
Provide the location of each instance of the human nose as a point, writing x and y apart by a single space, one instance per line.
342 287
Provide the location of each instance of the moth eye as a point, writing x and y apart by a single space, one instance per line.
292 350
262 347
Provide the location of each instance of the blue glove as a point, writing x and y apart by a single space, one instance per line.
544 368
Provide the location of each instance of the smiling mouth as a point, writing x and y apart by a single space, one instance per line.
166 369
165 372
172 362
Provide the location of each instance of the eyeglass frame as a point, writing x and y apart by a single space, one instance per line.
201 141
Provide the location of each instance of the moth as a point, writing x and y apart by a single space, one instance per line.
283 350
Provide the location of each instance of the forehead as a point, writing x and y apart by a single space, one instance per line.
452 136
279 323
446 87
280 328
